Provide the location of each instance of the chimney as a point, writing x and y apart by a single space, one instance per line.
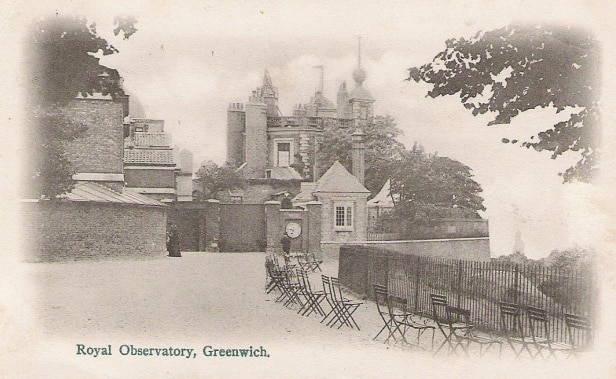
358 155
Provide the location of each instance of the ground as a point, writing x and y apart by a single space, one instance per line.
209 299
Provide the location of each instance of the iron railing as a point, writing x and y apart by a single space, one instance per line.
477 286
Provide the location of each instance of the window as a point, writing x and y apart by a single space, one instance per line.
236 199
284 154
343 216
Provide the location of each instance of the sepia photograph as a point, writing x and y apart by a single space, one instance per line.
307 189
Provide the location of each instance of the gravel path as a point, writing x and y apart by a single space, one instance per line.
206 299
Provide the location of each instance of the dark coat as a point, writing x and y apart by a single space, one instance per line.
286 243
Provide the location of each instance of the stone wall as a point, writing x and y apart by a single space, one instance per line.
473 249
67 231
309 219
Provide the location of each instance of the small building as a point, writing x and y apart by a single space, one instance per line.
149 167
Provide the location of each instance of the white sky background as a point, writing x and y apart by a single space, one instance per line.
187 62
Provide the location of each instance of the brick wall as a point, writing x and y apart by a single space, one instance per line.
75 231
101 149
150 178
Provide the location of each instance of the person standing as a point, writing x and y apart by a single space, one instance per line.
173 242
286 245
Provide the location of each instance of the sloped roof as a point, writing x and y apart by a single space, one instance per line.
151 156
383 198
338 179
305 193
95 193
284 173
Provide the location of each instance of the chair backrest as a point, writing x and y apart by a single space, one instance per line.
303 279
327 287
396 305
439 307
579 330
381 295
336 290
538 322
511 321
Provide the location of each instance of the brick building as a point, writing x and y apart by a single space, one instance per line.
263 143
100 218
149 166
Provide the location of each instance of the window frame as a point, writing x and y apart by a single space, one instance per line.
278 141
349 220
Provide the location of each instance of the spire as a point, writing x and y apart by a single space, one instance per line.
359 51
268 87
359 75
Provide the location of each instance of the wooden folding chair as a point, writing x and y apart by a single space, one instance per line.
442 315
540 332
345 307
470 335
511 326
313 263
404 320
381 297
312 298
580 333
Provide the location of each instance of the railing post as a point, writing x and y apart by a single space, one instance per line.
459 284
516 278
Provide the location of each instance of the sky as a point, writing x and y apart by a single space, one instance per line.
187 62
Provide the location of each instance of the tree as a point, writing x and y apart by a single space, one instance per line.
62 64
382 150
429 187
519 68
213 178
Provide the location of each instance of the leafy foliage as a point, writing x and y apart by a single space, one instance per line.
519 68
382 150
429 187
62 64
426 187
213 179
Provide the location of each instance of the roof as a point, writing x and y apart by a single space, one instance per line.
338 179
153 156
322 101
305 193
284 173
96 193
383 198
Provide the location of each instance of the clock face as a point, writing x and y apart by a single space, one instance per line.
293 229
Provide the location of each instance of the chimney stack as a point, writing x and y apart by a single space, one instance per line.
358 155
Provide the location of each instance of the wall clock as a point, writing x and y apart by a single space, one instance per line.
293 229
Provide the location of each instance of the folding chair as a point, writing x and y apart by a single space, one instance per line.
312 298
511 326
282 280
312 262
540 333
470 335
344 307
442 315
327 290
381 297
580 333
403 320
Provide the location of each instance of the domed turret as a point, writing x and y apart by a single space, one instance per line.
359 75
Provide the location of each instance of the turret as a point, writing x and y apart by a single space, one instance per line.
236 127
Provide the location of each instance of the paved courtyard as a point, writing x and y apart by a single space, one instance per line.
217 300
